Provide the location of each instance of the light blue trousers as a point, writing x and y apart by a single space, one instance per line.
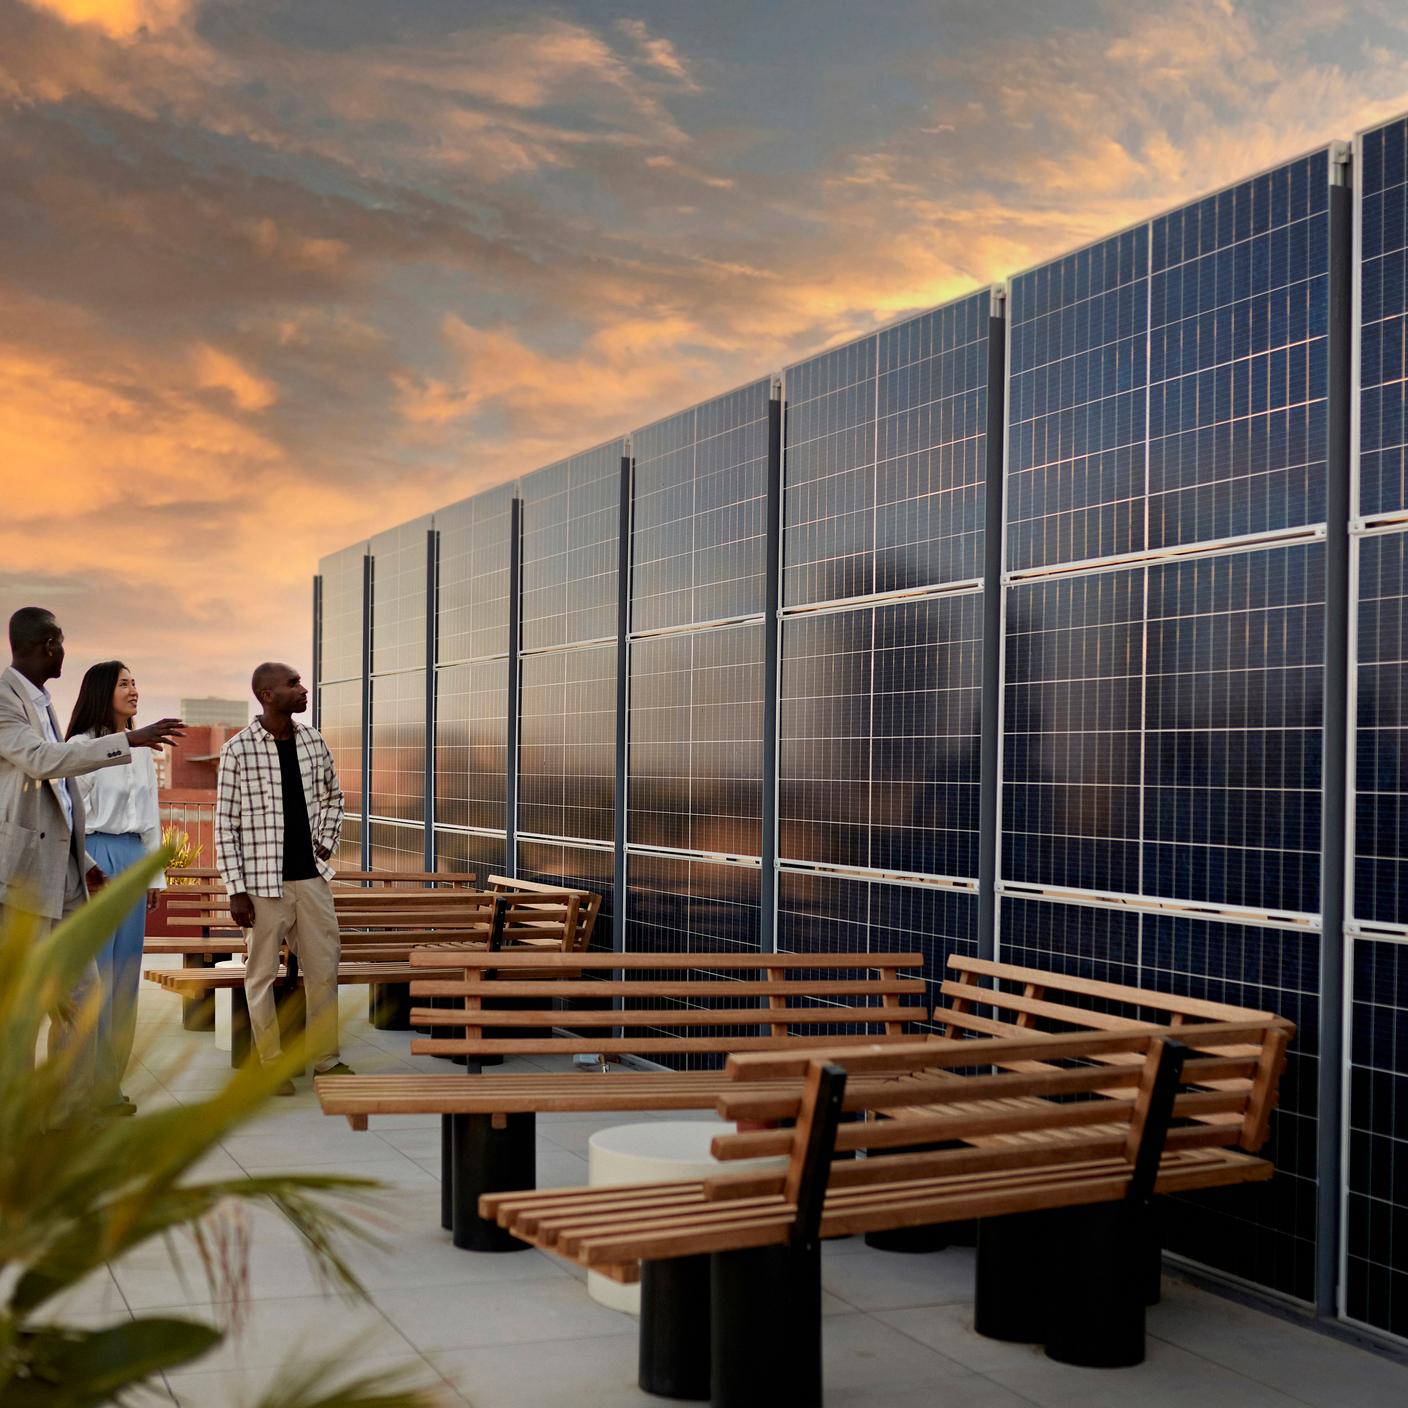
120 971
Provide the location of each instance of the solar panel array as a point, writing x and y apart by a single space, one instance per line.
1170 555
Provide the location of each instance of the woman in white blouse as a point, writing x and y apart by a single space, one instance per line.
124 825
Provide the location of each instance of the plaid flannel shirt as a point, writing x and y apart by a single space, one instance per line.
249 808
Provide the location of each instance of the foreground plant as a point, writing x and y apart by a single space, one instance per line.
77 1194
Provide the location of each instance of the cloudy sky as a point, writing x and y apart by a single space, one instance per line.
276 275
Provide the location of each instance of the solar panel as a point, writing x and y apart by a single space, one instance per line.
348 855
567 744
342 615
398 597
396 847
398 746
879 734
340 723
1376 1266
474 587
471 744
699 533
571 524
470 851
1077 400
1383 427
576 867
679 905
886 457
695 754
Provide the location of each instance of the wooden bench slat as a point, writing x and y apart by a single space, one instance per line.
671 1016
665 961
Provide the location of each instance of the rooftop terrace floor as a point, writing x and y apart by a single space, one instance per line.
519 1331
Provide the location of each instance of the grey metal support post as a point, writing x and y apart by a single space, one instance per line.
989 842
1330 1114
368 597
432 616
317 670
623 626
515 600
772 652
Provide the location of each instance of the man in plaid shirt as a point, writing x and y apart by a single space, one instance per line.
278 816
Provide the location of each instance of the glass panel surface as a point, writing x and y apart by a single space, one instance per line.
398 597
398 746
474 583
471 744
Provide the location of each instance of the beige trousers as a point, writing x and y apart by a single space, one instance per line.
305 917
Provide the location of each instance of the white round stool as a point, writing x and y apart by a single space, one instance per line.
658 1151
222 1007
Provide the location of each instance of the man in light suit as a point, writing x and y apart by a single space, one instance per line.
44 869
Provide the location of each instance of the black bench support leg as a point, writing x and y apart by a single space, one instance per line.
241 1037
1097 1319
1016 1281
447 1173
389 1007
674 1327
488 1160
765 1313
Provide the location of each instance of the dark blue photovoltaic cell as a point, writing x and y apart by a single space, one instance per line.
398 597
695 763
575 867
1376 1205
834 914
1264 1232
1233 729
473 584
571 526
879 738
676 905
398 746
1383 273
471 744
567 744
1238 360
699 527
885 459
342 615
1077 400
1381 733
1072 732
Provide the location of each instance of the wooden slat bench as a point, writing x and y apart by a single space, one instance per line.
488 1126
749 1244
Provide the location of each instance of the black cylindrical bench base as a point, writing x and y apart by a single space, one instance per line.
389 1006
674 1327
1014 1289
447 1173
912 1240
1097 1313
765 1308
488 1160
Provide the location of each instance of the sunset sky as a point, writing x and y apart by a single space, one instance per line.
276 275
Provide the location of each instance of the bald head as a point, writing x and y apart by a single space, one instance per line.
279 689
270 672
36 644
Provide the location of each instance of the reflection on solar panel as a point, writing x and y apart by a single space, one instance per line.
567 747
342 615
398 597
1238 360
1077 391
471 744
878 754
695 759
580 867
340 723
1376 1279
1383 427
398 746
836 914
1206 681
571 524
1381 736
397 847
469 850
886 459
1267 1233
677 905
348 855
699 532
474 588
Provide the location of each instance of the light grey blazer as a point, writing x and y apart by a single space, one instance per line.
35 838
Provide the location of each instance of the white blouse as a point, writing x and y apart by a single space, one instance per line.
123 801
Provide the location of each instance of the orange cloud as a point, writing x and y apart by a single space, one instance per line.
122 19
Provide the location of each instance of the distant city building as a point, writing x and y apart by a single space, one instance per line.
229 712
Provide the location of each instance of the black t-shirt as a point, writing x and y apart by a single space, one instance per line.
299 863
